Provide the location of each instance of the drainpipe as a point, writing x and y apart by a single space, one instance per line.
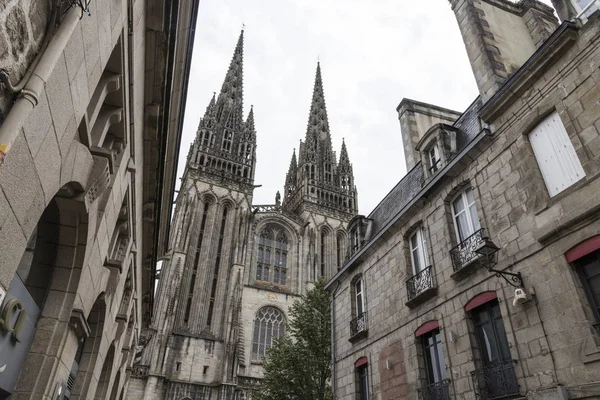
333 380
29 96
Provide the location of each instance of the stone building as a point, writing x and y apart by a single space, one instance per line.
233 268
476 276
91 106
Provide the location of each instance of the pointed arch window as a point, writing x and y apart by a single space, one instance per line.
280 266
324 238
269 325
227 140
265 248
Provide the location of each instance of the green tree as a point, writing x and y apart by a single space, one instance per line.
299 364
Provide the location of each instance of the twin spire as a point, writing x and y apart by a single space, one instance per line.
224 134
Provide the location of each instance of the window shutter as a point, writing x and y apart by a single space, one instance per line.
555 155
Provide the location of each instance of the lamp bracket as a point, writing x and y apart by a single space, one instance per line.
515 280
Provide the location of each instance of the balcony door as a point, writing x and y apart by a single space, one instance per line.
496 377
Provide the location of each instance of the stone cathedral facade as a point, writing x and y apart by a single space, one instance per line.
234 268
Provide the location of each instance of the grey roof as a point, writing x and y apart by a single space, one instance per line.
410 185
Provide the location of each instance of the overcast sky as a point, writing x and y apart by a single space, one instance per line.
373 54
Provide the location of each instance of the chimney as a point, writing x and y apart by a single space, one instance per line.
500 36
415 120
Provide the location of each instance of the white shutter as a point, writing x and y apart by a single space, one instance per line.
555 154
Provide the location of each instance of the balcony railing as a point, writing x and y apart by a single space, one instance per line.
435 391
496 381
464 253
358 325
420 283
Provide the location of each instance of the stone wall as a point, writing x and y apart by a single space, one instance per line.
552 337
23 26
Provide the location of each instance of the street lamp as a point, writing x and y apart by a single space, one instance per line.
489 250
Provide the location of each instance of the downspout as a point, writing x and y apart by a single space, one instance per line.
333 380
34 87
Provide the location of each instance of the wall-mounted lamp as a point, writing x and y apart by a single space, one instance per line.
489 250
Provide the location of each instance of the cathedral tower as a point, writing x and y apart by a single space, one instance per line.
234 269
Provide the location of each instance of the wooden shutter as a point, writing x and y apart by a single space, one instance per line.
555 155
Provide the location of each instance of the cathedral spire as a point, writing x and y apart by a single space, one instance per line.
230 100
318 137
344 159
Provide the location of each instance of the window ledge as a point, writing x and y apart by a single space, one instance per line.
467 269
422 297
573 211
359 336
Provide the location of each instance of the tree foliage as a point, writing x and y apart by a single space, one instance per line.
299 364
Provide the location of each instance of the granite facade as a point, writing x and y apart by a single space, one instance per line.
552 337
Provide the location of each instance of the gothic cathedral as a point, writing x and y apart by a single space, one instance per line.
234 268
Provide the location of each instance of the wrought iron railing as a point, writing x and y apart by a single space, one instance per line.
358 324
495 381
435 391
463 253
420 283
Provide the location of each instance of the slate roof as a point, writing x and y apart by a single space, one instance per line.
410 185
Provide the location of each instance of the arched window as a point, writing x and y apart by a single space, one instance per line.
323 252
265 243
227 139
269 324
280 266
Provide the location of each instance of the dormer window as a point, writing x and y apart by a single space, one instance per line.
437 147
360 229
434 158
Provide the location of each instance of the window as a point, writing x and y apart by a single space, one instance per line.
206 138
464 211
588 268
269 325
580 5
434 158
328 173
433 356
418 250
359 300
339 250
264 255
354 237
323 252
496 376
280 267
555 155
272 256
213 291
363 381
188 306
227 139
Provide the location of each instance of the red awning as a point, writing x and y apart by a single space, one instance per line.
427 327
480 299
361 361
583 249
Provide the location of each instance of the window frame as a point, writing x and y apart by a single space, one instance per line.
358 291
433 155
472 228
423 256
258 355
579 267
499 343
432 363
362 373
